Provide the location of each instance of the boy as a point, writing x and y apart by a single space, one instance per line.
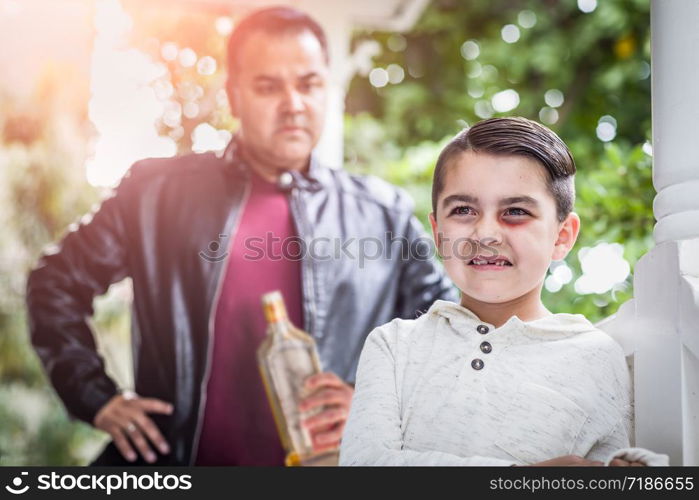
498 379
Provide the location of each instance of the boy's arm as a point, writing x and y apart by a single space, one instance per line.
373 434
617 439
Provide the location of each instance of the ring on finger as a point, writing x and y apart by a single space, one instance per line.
131 427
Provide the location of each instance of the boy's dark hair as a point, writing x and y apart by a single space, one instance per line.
273 21
519 137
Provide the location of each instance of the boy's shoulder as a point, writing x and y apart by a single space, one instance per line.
582 332
598 348
403 330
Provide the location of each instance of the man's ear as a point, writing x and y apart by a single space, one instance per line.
233 98
567 235
435 233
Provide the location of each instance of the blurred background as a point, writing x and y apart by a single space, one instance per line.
89 86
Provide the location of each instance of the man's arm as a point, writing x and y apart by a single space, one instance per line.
60 291
422 279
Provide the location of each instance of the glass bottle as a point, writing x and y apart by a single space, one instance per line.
286 358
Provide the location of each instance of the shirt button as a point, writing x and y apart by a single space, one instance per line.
477 364
285 181
486 347
482 329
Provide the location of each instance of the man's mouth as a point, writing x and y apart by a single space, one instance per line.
291 128
499 261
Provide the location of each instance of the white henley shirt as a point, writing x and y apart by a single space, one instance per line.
450 389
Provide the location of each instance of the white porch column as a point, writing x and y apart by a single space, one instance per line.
659 328
667 280
336 21
338 18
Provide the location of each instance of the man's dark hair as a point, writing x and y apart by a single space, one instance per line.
519 137
273 21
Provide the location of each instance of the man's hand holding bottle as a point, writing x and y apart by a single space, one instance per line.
327 391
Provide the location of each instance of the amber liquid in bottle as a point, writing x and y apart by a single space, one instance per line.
286 358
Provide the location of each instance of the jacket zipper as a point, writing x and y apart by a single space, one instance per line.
212 316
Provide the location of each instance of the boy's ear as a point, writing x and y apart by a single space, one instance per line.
435 233
567 235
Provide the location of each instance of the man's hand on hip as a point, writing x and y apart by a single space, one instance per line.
326 390
125 418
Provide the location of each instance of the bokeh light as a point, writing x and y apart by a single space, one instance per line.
378 77
124 107
603 266
483 109
510 33
526 19
187 57
554 98
606 128
207 138
206 66
587 6
505 101
224 26
470 50
397 43
548 116
396 74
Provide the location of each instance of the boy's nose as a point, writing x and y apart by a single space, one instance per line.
487 232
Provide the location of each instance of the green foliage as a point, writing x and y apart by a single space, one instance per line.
42 191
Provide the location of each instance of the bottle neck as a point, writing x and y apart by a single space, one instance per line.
280 328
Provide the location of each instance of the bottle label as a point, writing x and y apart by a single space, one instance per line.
289 366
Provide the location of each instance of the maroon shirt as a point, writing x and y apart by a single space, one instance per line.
238 426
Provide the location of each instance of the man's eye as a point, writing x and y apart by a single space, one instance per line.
517 211
463 210
308 85
264 89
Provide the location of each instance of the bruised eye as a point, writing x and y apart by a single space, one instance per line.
462 210
517 211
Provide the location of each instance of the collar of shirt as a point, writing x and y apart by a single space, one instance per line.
555 326
308 181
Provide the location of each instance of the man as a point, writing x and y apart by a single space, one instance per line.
202 237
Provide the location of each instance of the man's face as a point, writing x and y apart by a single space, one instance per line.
279 95
499 207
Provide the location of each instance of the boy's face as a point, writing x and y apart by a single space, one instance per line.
499 207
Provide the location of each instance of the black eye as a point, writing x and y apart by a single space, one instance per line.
517 211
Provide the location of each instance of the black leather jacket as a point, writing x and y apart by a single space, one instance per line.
158 228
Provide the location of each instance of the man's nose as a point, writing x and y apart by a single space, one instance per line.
293 101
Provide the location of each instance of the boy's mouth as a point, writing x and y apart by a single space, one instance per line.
489 262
